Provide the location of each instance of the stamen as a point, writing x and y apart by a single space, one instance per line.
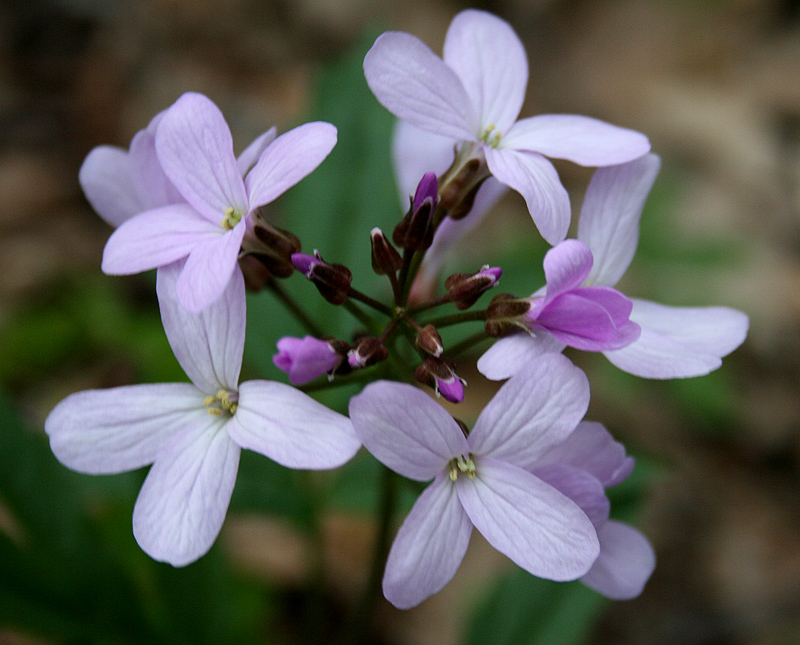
461 465
220 403
491 136
231 219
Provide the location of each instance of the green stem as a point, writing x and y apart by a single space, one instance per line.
371 302
467 343
454 319
361 316
295 309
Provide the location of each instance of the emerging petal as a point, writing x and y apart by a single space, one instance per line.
625 563
121 429
534 411
106 177
407 431
414 84
566 266
680 342
533 177
208 345
429 546
579 139
184 499
609 222
490 61
511 354
538 528
290 427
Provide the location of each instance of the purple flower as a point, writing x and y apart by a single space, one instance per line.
304 359
675 342
474 96
195 151
192 433
482 480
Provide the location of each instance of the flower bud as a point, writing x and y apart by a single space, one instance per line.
304 359
385 258
415 230
332 280
458 194
367 351
429 341
465 288
506 314
439 373
272 246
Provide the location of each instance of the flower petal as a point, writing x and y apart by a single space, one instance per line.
414 84
625 564
680 342
156 238
581 487
291 428
566 266
288 159
251 153
208 345
184 499
121 429
537 527
511 354
152 185
195 148
490 61
534 411
579 139
106 176
609 222
533 177
405 429
429 546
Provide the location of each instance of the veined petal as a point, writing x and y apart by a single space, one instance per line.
415 84
581 487
579 139
106 176
184 499
490 61
680 342
537 527
156 238
609 221
195 148
429 546
625 564
533 177
405 429
251 153
152 185
209 268
288 159
566 266
291 428
534 411
511 354
209 344
124 428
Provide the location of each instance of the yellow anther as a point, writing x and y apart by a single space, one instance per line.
491 136
220 403
231 219
461 465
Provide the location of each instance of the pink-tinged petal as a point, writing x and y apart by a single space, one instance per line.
579 139
156 238
537 527
413 83
106 177
208 345
429 546
625 564
490 61
251 153
288 426
680 342
304 359
184 499
209 268
288 159
534 411
405 429
195 149
124 428
592 448
152 185
533 177
511 354
566 266
609 221
415 152
581 487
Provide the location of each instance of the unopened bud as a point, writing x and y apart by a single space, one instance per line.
415 230
506 315
332 280
440 374
466 288
304 359
367 351
429 341
385 258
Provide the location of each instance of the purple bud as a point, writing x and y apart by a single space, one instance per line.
415 231
427 190
304 262
332 280
465 288
367 351
440 374
304 359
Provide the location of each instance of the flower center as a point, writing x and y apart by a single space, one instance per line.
491 136
231 219
461 465
220 404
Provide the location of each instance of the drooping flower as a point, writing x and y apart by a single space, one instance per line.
675 342
195 151
481 480
474 96
192 433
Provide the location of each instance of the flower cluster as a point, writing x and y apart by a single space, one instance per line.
531 474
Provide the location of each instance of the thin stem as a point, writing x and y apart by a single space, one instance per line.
371 302
424 306
454 319
360 315
467 343
403 280
295 309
